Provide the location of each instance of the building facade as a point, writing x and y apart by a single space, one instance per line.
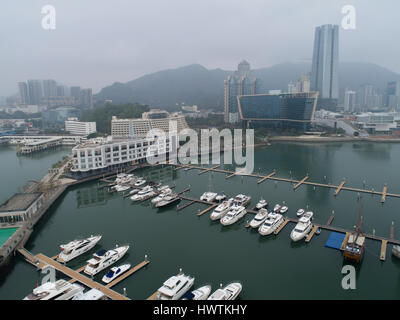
240 83
349 101
49 88
73 126
35 91
283 111
23 92
154 119
324 71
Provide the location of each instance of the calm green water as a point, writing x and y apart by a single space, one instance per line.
269 267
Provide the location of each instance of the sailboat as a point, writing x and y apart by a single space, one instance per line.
355 245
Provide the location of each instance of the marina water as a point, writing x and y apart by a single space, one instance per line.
270 267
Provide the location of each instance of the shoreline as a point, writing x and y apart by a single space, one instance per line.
312 139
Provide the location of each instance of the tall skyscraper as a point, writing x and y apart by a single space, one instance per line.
76 94
23 92
60 91
35 91
324 72
393 95
303 85
49 88
86 98
349 100
240 83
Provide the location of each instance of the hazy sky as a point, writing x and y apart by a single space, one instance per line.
98 42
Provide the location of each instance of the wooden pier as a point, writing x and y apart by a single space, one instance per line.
384 194
284 223
266 177
208 209
339 188
311 234
40 261
297 183
300 182
383 250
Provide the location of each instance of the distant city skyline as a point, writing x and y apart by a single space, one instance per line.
123 50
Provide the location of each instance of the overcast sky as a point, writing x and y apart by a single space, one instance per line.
98 42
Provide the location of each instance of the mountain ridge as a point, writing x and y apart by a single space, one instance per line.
196 85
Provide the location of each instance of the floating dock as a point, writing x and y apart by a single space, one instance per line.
41 261
297 183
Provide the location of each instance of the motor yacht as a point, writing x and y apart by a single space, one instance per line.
168 200
259 218
208 196
303 227
201 293
92 294
277 208
230 292
300 212
102 259
261 204
219 198
140 182
164 187
175 287
234 214
121 188
242 200
161 196
283 209
75 248
59 290
115 272
134 191
144 194
273 221
221 209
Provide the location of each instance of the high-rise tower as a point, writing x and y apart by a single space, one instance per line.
324 72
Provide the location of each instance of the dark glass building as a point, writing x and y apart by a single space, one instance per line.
283 111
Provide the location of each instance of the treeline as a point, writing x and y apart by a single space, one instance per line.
19 115
213 120
102 115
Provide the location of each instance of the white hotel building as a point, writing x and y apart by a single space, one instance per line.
128 144
73 126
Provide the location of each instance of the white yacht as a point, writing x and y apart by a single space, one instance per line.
261 204
273 221
140 182
221 210
121 188
175 287
161 196
103 259
59 290
164 187
168 200
92 294
283 209
300 212
219 198
303 227
201 293
242 200
259 218
75 248
115 272
230 292
234 214
144 194
277 208
208 196
134 191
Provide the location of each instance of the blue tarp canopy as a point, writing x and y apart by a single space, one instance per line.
335 240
